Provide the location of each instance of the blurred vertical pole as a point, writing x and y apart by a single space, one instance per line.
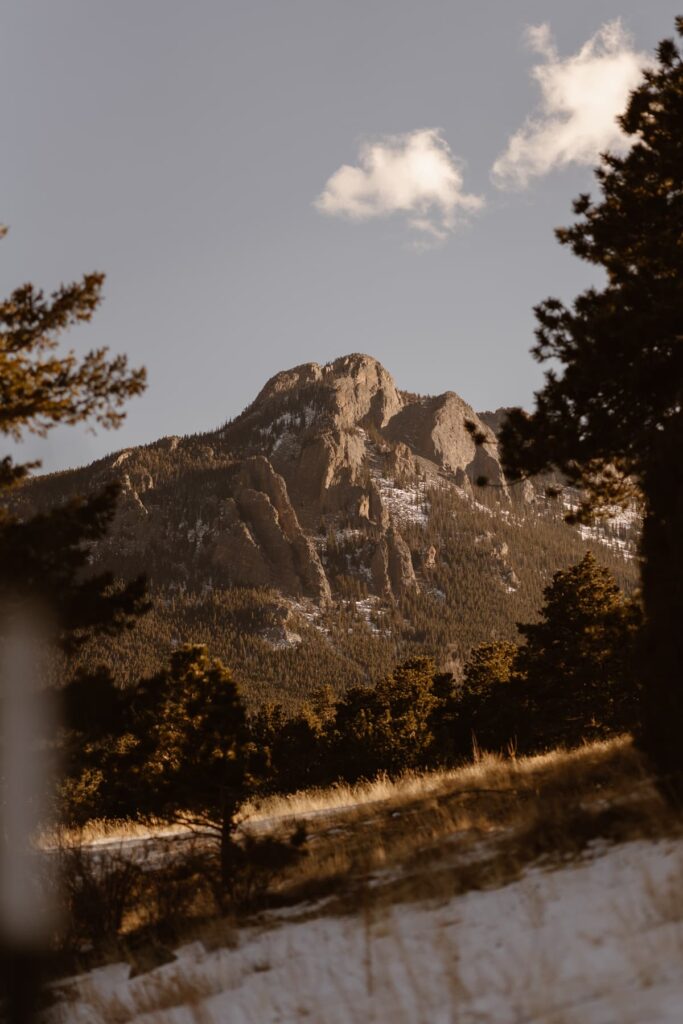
27 734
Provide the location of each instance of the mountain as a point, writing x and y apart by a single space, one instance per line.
336 525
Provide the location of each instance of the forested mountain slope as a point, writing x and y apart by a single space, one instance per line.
332 528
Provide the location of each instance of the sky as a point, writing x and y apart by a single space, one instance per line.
272 182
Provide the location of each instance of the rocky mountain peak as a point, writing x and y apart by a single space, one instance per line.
364 391
495 418
348 392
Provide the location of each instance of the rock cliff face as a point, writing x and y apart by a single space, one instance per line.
257 540
435 429
350 391
324 478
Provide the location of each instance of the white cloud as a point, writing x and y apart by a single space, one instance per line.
581 97
415 174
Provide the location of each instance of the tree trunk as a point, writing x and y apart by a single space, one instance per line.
228 848
661 734
227 851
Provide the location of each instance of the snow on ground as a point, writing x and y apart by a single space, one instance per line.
284 429
366 609
197 533
599 941
406 504
602 535
311 614
616 532
280 638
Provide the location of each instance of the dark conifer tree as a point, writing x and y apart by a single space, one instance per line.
190 754
485 712
610 418
43 559
575 673
388 728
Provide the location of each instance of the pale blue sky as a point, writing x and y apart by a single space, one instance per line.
180 148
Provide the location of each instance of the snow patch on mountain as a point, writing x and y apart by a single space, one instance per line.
408 504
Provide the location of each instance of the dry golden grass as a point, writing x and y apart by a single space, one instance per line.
487 775
104 830
476 826
489 771
344 795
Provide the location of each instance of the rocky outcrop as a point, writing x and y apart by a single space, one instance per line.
429 557
349 392
400 462
435 428
325 476
259 541
400 562
391 565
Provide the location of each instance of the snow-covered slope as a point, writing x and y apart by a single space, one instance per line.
598 941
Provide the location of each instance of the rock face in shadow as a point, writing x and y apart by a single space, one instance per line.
258 541
322 452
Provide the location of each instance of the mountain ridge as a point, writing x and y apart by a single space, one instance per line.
335 496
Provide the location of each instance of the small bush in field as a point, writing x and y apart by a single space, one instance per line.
96 892
255 863
171 890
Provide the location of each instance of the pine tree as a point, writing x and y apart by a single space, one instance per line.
191 756
573 678
485 712
575 670
291 752
388 728
43 559
611 418
175 746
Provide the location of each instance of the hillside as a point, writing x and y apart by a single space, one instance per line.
335 526
544 889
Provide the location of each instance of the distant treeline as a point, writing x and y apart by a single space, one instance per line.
184 739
